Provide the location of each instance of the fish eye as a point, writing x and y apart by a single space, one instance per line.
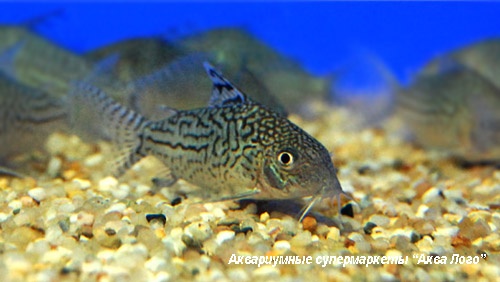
285 158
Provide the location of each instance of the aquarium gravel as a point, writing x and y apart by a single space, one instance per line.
416 216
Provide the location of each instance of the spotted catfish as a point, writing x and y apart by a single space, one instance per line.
235 148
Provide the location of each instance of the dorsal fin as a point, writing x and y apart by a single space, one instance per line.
223 91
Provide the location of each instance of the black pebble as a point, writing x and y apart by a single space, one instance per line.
347 210
369 227
364 169
176 201
110 232
245 229
415 237
156 216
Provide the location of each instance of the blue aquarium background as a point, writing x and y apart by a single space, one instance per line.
322 36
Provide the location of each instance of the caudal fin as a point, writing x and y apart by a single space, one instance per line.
94 112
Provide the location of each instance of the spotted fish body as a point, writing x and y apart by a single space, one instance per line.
234 148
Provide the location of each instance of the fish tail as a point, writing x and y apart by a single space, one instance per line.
110 120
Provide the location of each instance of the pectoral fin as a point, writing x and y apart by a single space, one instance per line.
165 179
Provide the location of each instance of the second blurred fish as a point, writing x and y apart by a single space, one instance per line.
27 117
41 64
173 75
457 111
237 50
137 56
483 57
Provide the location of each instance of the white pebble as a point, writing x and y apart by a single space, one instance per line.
393 253
333 234
92 267
108 184
38 194
11 196
54 166
237 274
93 160
4 217
38 247
447 232
16 262
282 244
56 256
121 192
162 277
118 207
142 189
117 273
380 220
155 264
199 231
83 218
106 256
207 216
266 272
224 236
302 239
46 275
422 209
53 233
131 255
361 244
425 244
66 208
15 205
23 219
264 217
431 195
82 184
173 242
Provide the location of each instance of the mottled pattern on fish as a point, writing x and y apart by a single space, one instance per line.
27 116
234 148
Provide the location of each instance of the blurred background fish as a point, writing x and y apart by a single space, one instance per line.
27 117
267 76
39 63
483 57
256 65
137 57
456 110
450 104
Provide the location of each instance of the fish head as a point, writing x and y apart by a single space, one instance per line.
297 165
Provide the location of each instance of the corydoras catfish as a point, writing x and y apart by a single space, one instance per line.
234 148
172 74
482 57
41 64
455 111
241 54
137 56
27 117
